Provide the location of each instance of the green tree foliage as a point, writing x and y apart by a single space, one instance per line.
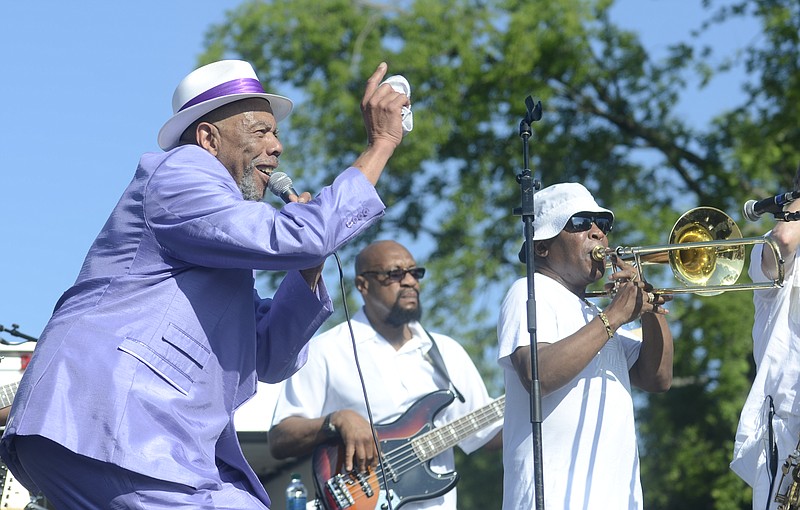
608 122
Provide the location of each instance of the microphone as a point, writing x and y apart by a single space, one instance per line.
280 185
753 209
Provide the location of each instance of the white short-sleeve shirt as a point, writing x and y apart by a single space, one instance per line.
394 380
590 456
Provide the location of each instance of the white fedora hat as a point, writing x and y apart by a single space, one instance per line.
210 87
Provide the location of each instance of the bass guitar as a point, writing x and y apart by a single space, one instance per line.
407 446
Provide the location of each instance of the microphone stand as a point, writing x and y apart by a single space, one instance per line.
13 332
528 186
787 216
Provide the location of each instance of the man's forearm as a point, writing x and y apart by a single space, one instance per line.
295 436
653 370
373 160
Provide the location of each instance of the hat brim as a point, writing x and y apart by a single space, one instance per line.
558 221
171 131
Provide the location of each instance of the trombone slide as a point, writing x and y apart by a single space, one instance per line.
716 273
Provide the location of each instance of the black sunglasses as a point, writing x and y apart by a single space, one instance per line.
582 222
397 275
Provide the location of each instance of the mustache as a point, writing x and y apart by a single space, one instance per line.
271 161
408 292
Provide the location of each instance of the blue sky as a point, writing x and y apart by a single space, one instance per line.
85 91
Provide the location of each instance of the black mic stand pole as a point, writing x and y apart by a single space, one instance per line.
528 186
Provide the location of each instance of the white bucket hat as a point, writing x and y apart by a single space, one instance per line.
210 87
555 205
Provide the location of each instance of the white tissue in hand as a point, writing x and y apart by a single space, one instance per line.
400 84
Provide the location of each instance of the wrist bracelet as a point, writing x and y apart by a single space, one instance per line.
607 324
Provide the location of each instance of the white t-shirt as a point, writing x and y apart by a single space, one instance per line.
590 456
394 379
776 349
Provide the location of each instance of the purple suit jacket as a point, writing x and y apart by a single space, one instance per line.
163 335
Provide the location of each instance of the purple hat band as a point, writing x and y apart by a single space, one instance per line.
239 86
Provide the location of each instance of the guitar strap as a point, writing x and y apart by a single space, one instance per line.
434 357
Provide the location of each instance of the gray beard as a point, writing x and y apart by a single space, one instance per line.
400 316
247 185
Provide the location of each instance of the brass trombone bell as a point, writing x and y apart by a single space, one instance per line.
706 253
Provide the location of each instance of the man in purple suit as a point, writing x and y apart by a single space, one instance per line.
128 401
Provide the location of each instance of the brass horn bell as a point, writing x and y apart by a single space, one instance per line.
709 266
706 252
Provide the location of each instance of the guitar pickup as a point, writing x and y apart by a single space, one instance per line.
390 472
363 480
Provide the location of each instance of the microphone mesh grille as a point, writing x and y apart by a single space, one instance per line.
279 182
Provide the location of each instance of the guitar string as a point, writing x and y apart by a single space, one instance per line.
436 438
411 459
485 416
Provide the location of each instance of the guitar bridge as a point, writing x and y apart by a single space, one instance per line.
337 490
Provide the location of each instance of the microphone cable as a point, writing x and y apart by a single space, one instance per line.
281 186
375 440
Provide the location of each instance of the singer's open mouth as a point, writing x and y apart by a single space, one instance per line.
265 165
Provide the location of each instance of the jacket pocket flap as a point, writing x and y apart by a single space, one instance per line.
193 349
174 375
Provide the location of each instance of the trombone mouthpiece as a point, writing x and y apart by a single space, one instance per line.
599 253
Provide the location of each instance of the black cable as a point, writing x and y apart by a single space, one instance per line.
361 380
772 451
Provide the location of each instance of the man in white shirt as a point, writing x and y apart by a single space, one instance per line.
586 363
769 426
324 401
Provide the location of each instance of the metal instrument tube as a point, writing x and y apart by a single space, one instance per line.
655 254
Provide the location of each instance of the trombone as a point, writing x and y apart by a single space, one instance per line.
705 253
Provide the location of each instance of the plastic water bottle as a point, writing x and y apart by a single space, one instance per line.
296 494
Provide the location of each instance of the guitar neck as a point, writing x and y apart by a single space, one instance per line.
434 442
7 393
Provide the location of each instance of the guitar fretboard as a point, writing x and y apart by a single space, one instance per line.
7 393
436 441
